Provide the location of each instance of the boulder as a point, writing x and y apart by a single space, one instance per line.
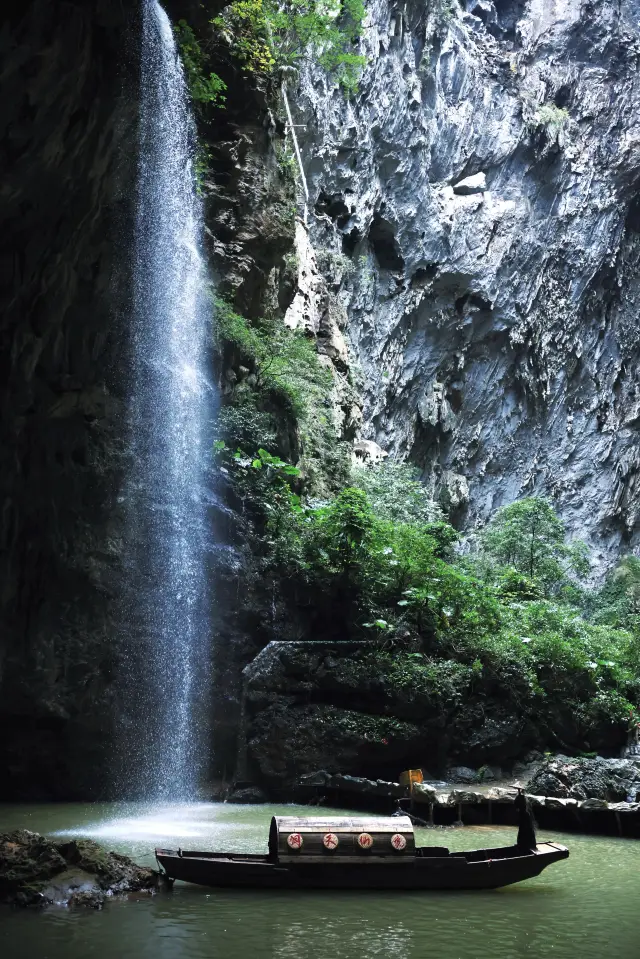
423 792
36 871
247 796
27 858
465 796
462 774
611 780
498 794
594 804
554 802
366 451
87 900
287 741
624 807
490 774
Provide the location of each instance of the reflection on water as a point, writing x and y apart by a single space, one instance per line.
586 908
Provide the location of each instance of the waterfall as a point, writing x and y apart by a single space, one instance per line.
170 411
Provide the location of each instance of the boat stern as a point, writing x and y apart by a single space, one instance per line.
552 851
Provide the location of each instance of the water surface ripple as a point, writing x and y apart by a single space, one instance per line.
586 908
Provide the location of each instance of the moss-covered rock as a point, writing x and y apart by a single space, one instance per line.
36 871
287 740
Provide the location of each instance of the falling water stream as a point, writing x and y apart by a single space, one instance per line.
171 404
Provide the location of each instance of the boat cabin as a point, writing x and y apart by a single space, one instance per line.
294 839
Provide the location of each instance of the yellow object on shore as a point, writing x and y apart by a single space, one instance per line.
409 777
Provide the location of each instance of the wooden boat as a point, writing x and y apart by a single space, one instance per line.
346 853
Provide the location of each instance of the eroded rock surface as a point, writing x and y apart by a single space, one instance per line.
36 871
612 780
339 708
482 187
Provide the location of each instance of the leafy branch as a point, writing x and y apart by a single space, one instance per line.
266 34
203 89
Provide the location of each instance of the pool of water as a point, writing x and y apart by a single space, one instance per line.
585 908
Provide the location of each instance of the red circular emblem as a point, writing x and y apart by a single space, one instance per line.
398 841
330 840
294 840
365 841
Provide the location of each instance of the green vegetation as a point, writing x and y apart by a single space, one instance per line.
529 537
552 117
543 116
543 655
396 493
446 11
204 89
281 400
498 626
334 264
283 361
266 35
365 554
618 602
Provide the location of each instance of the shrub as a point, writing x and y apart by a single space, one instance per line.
204 89
283 401
359 569
396 494
266 34
618 602
284 361
552 117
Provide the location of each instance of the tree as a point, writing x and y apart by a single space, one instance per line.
529 537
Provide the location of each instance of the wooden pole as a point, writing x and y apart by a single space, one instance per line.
296 148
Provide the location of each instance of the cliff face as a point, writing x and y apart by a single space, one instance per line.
69 132
65 118
479 198
493 320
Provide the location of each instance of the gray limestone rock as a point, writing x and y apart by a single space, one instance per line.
470 184
609 780
497 331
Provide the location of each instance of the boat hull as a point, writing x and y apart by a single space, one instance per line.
447 872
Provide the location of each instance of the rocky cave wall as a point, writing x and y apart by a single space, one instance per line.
69 136
67 122
475 216
492 322
479 201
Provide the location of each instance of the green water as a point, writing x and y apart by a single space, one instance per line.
586 908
